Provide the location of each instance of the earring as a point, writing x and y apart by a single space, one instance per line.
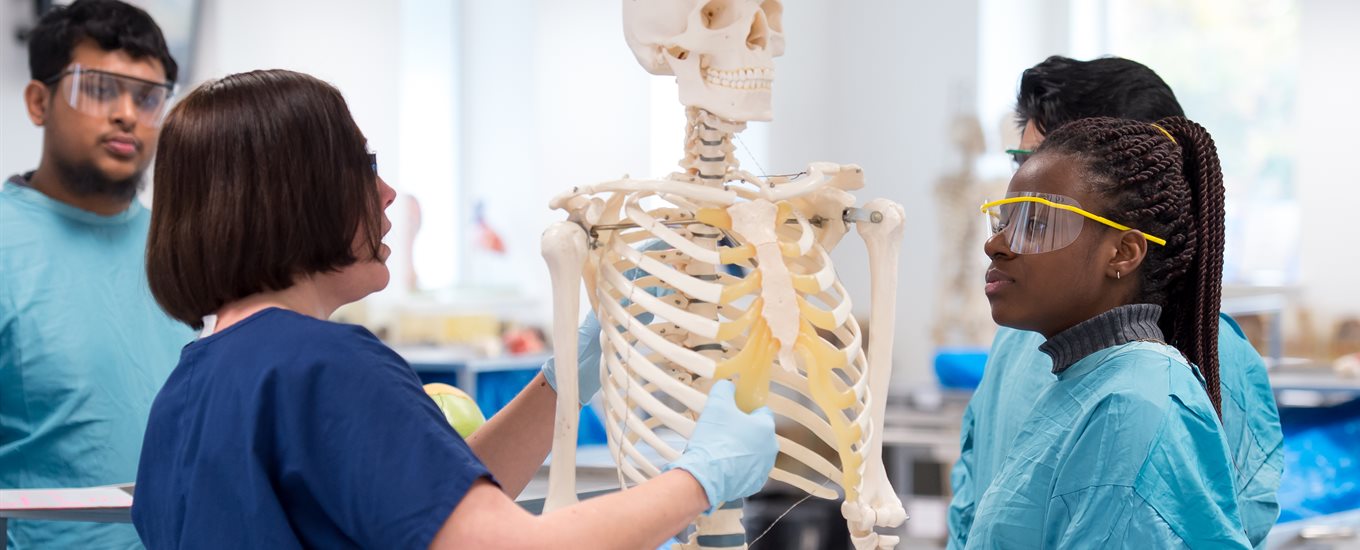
1117 275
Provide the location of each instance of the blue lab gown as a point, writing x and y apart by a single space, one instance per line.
83 349
1017 372
1123 450
287 432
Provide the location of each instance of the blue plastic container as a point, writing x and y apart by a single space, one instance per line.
960 367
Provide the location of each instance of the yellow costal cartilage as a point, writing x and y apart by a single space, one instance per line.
753 364
734 328
807 284
720 219
736 255
746 286
716 217
754 361
819 317
821 358
753 386
760 333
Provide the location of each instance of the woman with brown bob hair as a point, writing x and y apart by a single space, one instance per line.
280 429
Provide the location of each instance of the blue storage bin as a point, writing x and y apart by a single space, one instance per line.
1321 461
960 367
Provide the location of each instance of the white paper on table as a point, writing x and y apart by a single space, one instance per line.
112 496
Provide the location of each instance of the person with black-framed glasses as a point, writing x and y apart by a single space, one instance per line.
83 346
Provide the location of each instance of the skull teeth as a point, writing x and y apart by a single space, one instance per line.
741 79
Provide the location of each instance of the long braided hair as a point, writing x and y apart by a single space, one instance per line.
1165 179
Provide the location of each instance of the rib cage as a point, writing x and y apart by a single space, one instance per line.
651 343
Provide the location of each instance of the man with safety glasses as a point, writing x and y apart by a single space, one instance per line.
1052 93
83 346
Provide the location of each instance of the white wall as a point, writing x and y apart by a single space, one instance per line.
551 98
1013 36
349 43
20 141
1328 179
875 83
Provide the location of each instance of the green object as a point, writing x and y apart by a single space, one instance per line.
458 408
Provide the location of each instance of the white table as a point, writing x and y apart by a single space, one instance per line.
595 476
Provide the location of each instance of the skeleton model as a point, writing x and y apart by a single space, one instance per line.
782 329
962 315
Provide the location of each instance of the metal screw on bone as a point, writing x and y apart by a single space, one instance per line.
852 215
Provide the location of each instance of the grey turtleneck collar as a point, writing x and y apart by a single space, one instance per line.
1115 327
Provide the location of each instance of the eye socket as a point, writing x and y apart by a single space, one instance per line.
718 14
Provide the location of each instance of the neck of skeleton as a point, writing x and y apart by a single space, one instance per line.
708 146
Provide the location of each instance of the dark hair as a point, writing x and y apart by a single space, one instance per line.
112 24
1061 90
261 177
1174 190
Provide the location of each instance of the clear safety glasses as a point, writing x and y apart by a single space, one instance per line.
100 94
1034 223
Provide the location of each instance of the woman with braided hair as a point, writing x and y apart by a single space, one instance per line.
1109 243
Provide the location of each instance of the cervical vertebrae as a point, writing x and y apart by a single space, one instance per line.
714 273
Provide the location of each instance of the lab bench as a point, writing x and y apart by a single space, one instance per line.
595 476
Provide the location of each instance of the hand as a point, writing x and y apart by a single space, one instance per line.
731 453
587 360
588 338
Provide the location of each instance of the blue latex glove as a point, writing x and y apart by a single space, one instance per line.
588 339
587 360
730 453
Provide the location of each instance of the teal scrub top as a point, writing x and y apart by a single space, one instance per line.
1123 450
83 350
1017 371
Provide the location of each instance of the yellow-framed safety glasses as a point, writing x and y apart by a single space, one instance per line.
1033 223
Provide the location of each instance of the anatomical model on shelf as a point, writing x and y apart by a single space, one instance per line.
962 315
715 273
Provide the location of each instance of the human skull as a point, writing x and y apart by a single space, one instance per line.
720 51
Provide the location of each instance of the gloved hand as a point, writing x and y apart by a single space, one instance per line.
730 453
588 338
587 360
